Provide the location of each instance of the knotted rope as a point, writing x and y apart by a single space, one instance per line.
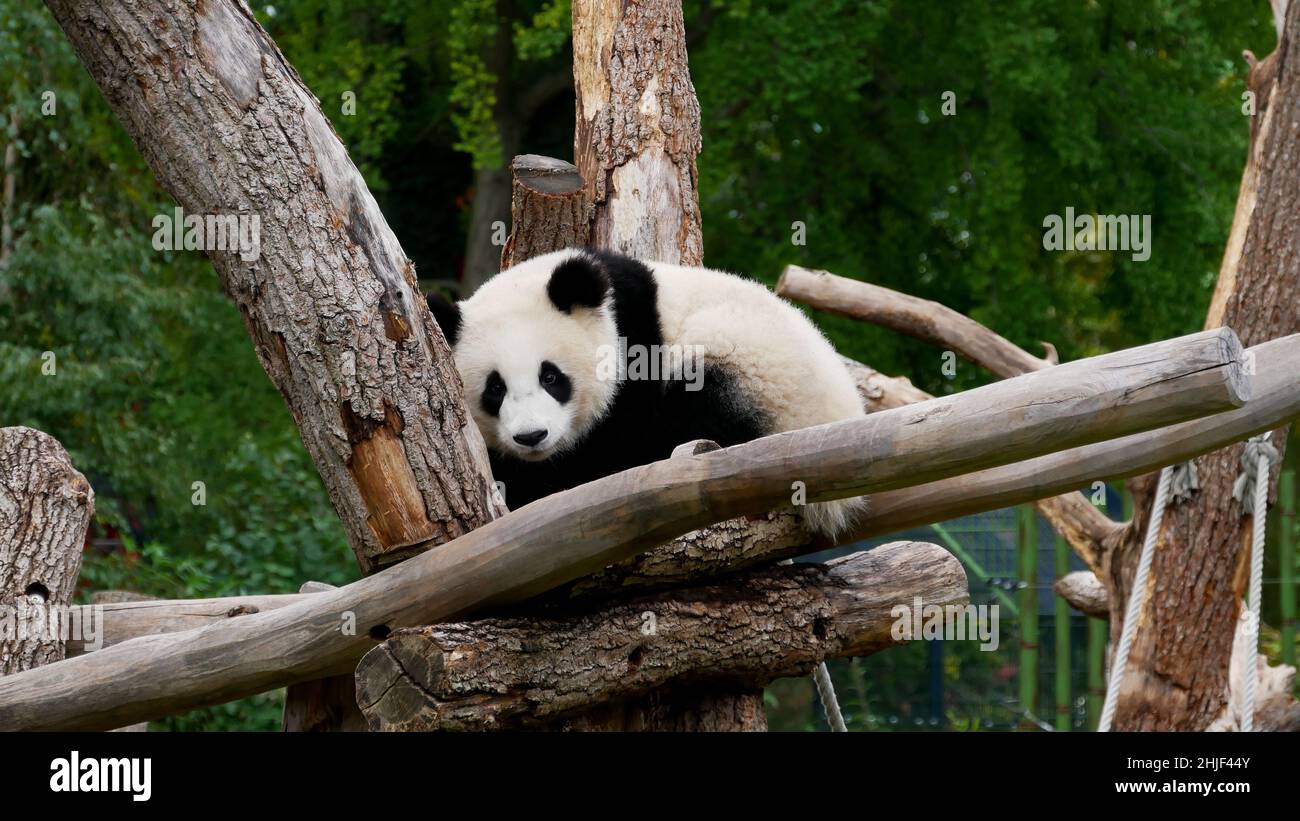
1251 489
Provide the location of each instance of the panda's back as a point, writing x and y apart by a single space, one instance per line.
762 357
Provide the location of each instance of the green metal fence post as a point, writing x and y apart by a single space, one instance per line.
1063 709
1028 545
1097 638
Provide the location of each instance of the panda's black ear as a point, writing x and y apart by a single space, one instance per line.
446 314
579 282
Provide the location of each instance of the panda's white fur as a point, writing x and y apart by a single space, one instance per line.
788 374
509 325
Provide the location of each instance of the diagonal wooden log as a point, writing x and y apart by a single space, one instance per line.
323 706
577 532
328 296
1083 526
921 318
509 673
45 507
741 543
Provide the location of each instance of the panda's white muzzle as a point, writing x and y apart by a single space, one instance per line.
532 425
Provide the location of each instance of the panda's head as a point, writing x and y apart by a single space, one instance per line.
528 345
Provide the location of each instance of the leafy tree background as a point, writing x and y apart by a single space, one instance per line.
823 112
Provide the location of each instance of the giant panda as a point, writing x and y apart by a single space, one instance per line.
558 358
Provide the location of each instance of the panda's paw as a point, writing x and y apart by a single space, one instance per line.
832 519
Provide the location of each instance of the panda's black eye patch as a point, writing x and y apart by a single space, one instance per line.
494 393
554 382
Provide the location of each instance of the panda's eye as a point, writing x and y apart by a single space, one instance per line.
496 386
554 382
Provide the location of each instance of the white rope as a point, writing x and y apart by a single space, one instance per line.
826 690
831 704
1259 454
1136 597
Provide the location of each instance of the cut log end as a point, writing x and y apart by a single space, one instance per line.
546 175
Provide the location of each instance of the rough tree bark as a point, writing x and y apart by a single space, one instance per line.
45 508
535 673
549 209
1179 664
638 128
331 302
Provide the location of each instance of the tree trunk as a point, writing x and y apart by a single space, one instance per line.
331 301
1179 664
7 189
45 508
638 128
549 209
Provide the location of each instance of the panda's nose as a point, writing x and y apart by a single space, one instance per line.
531 438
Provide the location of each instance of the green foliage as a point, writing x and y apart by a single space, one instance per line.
473 25
342 48
830 114
154 385
547 33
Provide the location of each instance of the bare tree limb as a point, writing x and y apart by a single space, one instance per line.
1083 526
921 318
1085 593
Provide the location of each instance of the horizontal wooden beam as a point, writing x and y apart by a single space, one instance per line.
1276 401
511 673
577 532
